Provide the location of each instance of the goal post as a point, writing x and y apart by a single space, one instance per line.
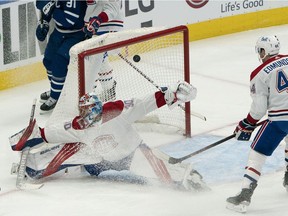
160 54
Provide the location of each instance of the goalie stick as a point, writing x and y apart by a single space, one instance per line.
158 87
173 160
20 180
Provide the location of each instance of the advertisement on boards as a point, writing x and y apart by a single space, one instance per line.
143 13
18 45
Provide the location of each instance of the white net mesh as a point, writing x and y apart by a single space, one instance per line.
161 60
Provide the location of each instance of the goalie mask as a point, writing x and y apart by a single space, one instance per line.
270 44
90 107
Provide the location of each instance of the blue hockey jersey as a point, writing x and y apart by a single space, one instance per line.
67 14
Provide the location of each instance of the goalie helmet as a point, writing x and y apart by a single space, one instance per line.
270 44
90 106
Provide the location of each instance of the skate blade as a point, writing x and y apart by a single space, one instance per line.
286 188
241 208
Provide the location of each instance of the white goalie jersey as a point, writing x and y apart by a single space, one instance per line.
110 143
112 138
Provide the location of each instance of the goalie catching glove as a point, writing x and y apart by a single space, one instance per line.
178 93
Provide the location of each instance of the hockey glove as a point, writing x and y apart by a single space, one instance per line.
42 30
92 26
180 92
244 130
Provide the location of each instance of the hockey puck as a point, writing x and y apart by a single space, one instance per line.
136 58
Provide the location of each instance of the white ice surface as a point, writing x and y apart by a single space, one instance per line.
220 69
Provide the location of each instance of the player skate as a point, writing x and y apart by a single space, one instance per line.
48 106
240 202
44 96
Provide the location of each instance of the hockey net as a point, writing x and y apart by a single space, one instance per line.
164 59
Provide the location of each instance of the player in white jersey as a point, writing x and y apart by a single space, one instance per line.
102 138
102 16
269 92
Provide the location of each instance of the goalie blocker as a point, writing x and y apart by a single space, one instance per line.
102 138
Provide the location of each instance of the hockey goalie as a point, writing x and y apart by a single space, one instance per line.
102 138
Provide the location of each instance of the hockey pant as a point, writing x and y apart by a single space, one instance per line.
56 58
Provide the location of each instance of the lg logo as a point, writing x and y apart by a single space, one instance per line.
197 3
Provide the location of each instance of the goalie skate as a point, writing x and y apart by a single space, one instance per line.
183 174
193 181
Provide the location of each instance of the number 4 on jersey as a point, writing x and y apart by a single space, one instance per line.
282 81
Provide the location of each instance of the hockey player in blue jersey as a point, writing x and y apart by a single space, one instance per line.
68 16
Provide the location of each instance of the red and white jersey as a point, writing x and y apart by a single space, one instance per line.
112 138
269 90
110 13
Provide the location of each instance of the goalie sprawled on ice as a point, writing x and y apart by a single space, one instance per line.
102 138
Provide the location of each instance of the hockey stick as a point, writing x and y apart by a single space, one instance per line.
173 160
158 87
20 180
41 14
